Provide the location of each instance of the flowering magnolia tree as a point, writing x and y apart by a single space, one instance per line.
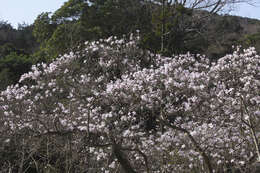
113 107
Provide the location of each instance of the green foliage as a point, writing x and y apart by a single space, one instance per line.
25 40
18 39
78 21
71 10
63 38
12 67
5 79
16 45
43 27
171 23
249 40
6 49
117 17
7 33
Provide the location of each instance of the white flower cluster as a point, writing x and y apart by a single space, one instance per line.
181 112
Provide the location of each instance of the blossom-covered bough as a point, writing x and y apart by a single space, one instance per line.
113 107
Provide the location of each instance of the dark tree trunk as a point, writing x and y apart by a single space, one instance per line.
122 158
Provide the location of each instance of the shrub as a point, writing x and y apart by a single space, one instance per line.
113 106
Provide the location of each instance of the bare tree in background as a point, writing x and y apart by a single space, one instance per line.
198 11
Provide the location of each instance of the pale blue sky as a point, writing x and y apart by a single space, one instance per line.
19 11
247 10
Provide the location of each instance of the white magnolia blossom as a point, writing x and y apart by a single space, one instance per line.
166 114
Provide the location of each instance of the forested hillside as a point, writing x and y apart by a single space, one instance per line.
16 49
76 21
131 86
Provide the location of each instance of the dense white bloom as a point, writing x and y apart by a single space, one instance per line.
177 111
